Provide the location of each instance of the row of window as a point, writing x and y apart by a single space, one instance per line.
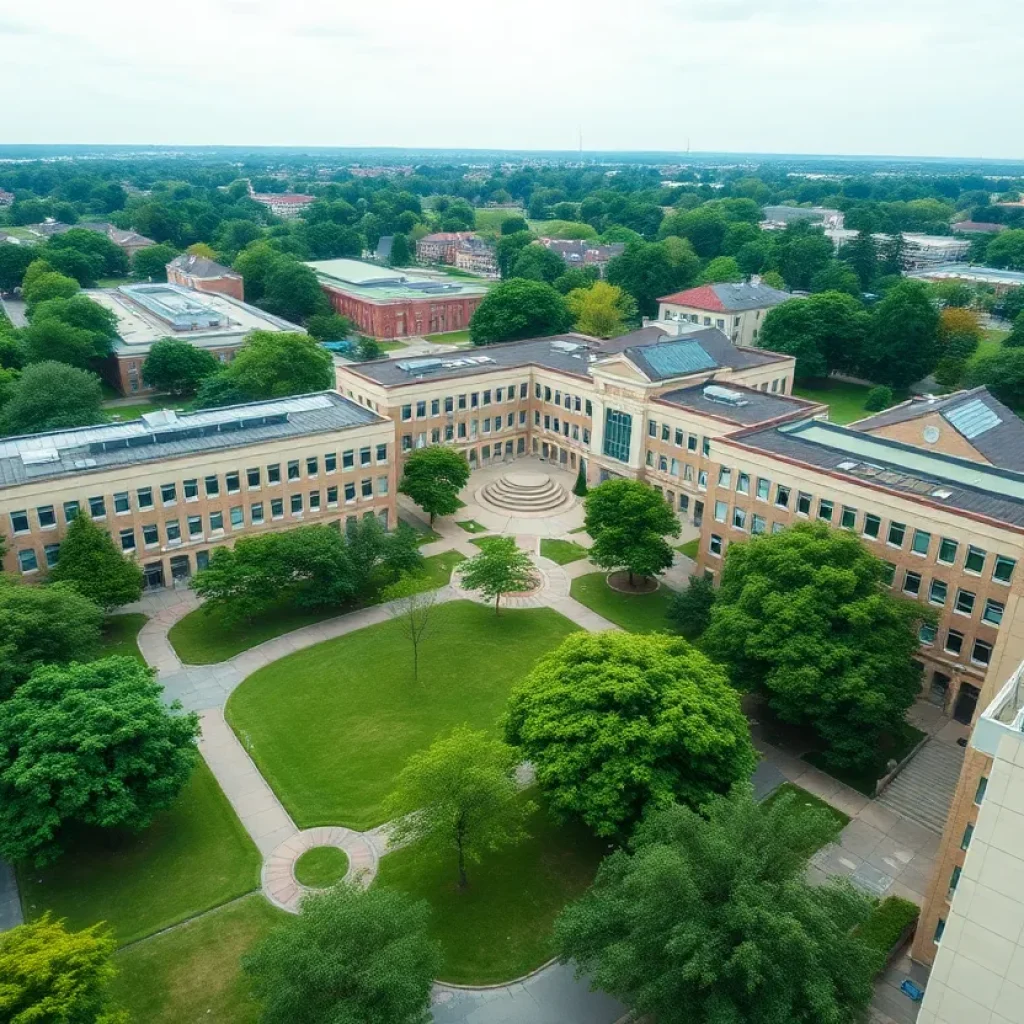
981 650
571 403
964 602
563 427
473 400
677 436
464 431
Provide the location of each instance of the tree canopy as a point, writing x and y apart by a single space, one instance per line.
52 396
177 367
601 310
502 567
150 264
90 562
518 309
433 477
538 263
902 345
1002 372
649 270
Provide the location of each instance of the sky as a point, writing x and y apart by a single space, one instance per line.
900 77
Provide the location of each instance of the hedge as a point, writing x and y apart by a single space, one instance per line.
887 924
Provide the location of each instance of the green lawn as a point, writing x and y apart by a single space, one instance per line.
471 526
845 401
491 220
808 801
192 973
690 548
120 636
321 866
562 551
637 613
136 409
114 282
562 229
500 928
483 543
451 338
391 346
331 726
203 638
863 780
193 857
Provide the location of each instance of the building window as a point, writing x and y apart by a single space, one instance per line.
51 553
19 521
825 510
332 497
803 503
937 593
150 535
295 503
252 477
232 483
237 517
216 521
382 453
954 641
968 833
705 446
1003 569
145 497
27 560
926 634
691 442
888 573
350 492
849 518
312 465
940 927
168 494
173 530
897 532
757 525
782 496
195 526
981 653
212 487
191 490
912 583
407 440
128 540
366 487
97 508
348 459
365 456
618 426
293 469
743 483
721 511
872 525
920 543
406 412
979 793
975 560
122 503
739 519
724 477
947 551
954 881
382 485
763 488
435 407
993 613
277 508
715 545
314 501
964 602
678 437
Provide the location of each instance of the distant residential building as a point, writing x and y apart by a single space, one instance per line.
779 216
386 302
205 275
584 253
6 198
919 250
283 204
401 171
978 227
130 242
475 256
441 246
1000 280
736 309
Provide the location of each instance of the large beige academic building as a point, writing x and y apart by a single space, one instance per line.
170 487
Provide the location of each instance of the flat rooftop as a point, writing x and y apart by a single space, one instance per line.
387 284
163 435
967 272
738 404
147 313
938 479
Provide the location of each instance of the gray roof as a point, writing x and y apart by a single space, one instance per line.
663 356
165 435
994 429
749 407
201 266
737 297
943 480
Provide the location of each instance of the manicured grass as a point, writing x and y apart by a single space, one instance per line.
193 973
331 726
562 551
391 346
136 409
845 401
483 543
500 927
321 867
450 338
562 229
193 857
112 282
579 529
863 780
471 526
637 613
491 220
204 638
690 548
807 802
121 636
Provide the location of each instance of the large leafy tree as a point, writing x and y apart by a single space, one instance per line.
112 261
178 368
352 956
519 309
433 477
617 722
88 744
14 261
799 252
43 625
459 798
538 263
52 396
510 245
502 567
90 562
1006 250
47 285
629 522
150 264
50 974
649 270
803 617
601 310
1002 372
709 918
292 292
902 345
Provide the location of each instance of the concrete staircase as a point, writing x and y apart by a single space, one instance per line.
924 789
525 494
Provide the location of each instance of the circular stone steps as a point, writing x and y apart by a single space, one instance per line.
524 494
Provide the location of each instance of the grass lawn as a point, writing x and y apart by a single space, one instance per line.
112 282
808 801
203 638
330 726
864 780
450 338
562 229
690 548
391 346
471 526
483 543
193 973
637 613
321 866
500 928
193 857
135 410
845 401
120 636
562 551
491 220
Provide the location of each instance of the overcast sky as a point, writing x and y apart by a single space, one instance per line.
915 77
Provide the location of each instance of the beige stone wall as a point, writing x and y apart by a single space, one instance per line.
949 443
744 328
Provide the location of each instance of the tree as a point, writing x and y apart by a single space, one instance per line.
352 956
52 396
433 477
51 974
88 744
799 252
202 249
255 263
580 487
959 332
519 309
514 225
14 261
459 796
1002 372
78 311
803 618
49 285
59 342
500 568
1015 339
1007 250
878 398
616 723
110 259
629 522
177 367
709 918
690 609
649 270
836 277
861 255
413 608
1011 304
576 277
536 262
721 269
329 327
773 279
82 267
508 249
89 562
293 292
902 345
602 310
401 256
150 264
704 228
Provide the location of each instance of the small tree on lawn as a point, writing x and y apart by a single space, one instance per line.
459 796
614 723
88 744
804 617
709 918
500 568
50 974
629 522
89 562
352 956
413 608
433 478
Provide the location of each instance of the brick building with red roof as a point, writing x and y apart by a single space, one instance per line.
736 309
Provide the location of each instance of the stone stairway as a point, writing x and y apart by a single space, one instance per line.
924 789
525 493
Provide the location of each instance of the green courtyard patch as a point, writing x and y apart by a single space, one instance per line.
204 638
321 867
500 927
193 857
804 802
471 526
193 972
450 338
330 726
845 401
637 613
690 548
121 636
562 551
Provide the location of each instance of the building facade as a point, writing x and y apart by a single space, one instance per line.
441 246
584 253
205 275
475 256
285 205
738 310
170 488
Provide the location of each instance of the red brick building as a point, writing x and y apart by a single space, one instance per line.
205 275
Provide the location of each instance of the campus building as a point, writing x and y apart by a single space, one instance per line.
441 246
583 253
999 280
385 302
736 309
205 275
285 205
146 313
170 487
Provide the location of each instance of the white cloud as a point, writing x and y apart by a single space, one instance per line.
845 76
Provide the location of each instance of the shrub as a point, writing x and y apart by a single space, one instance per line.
879 398
888 921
